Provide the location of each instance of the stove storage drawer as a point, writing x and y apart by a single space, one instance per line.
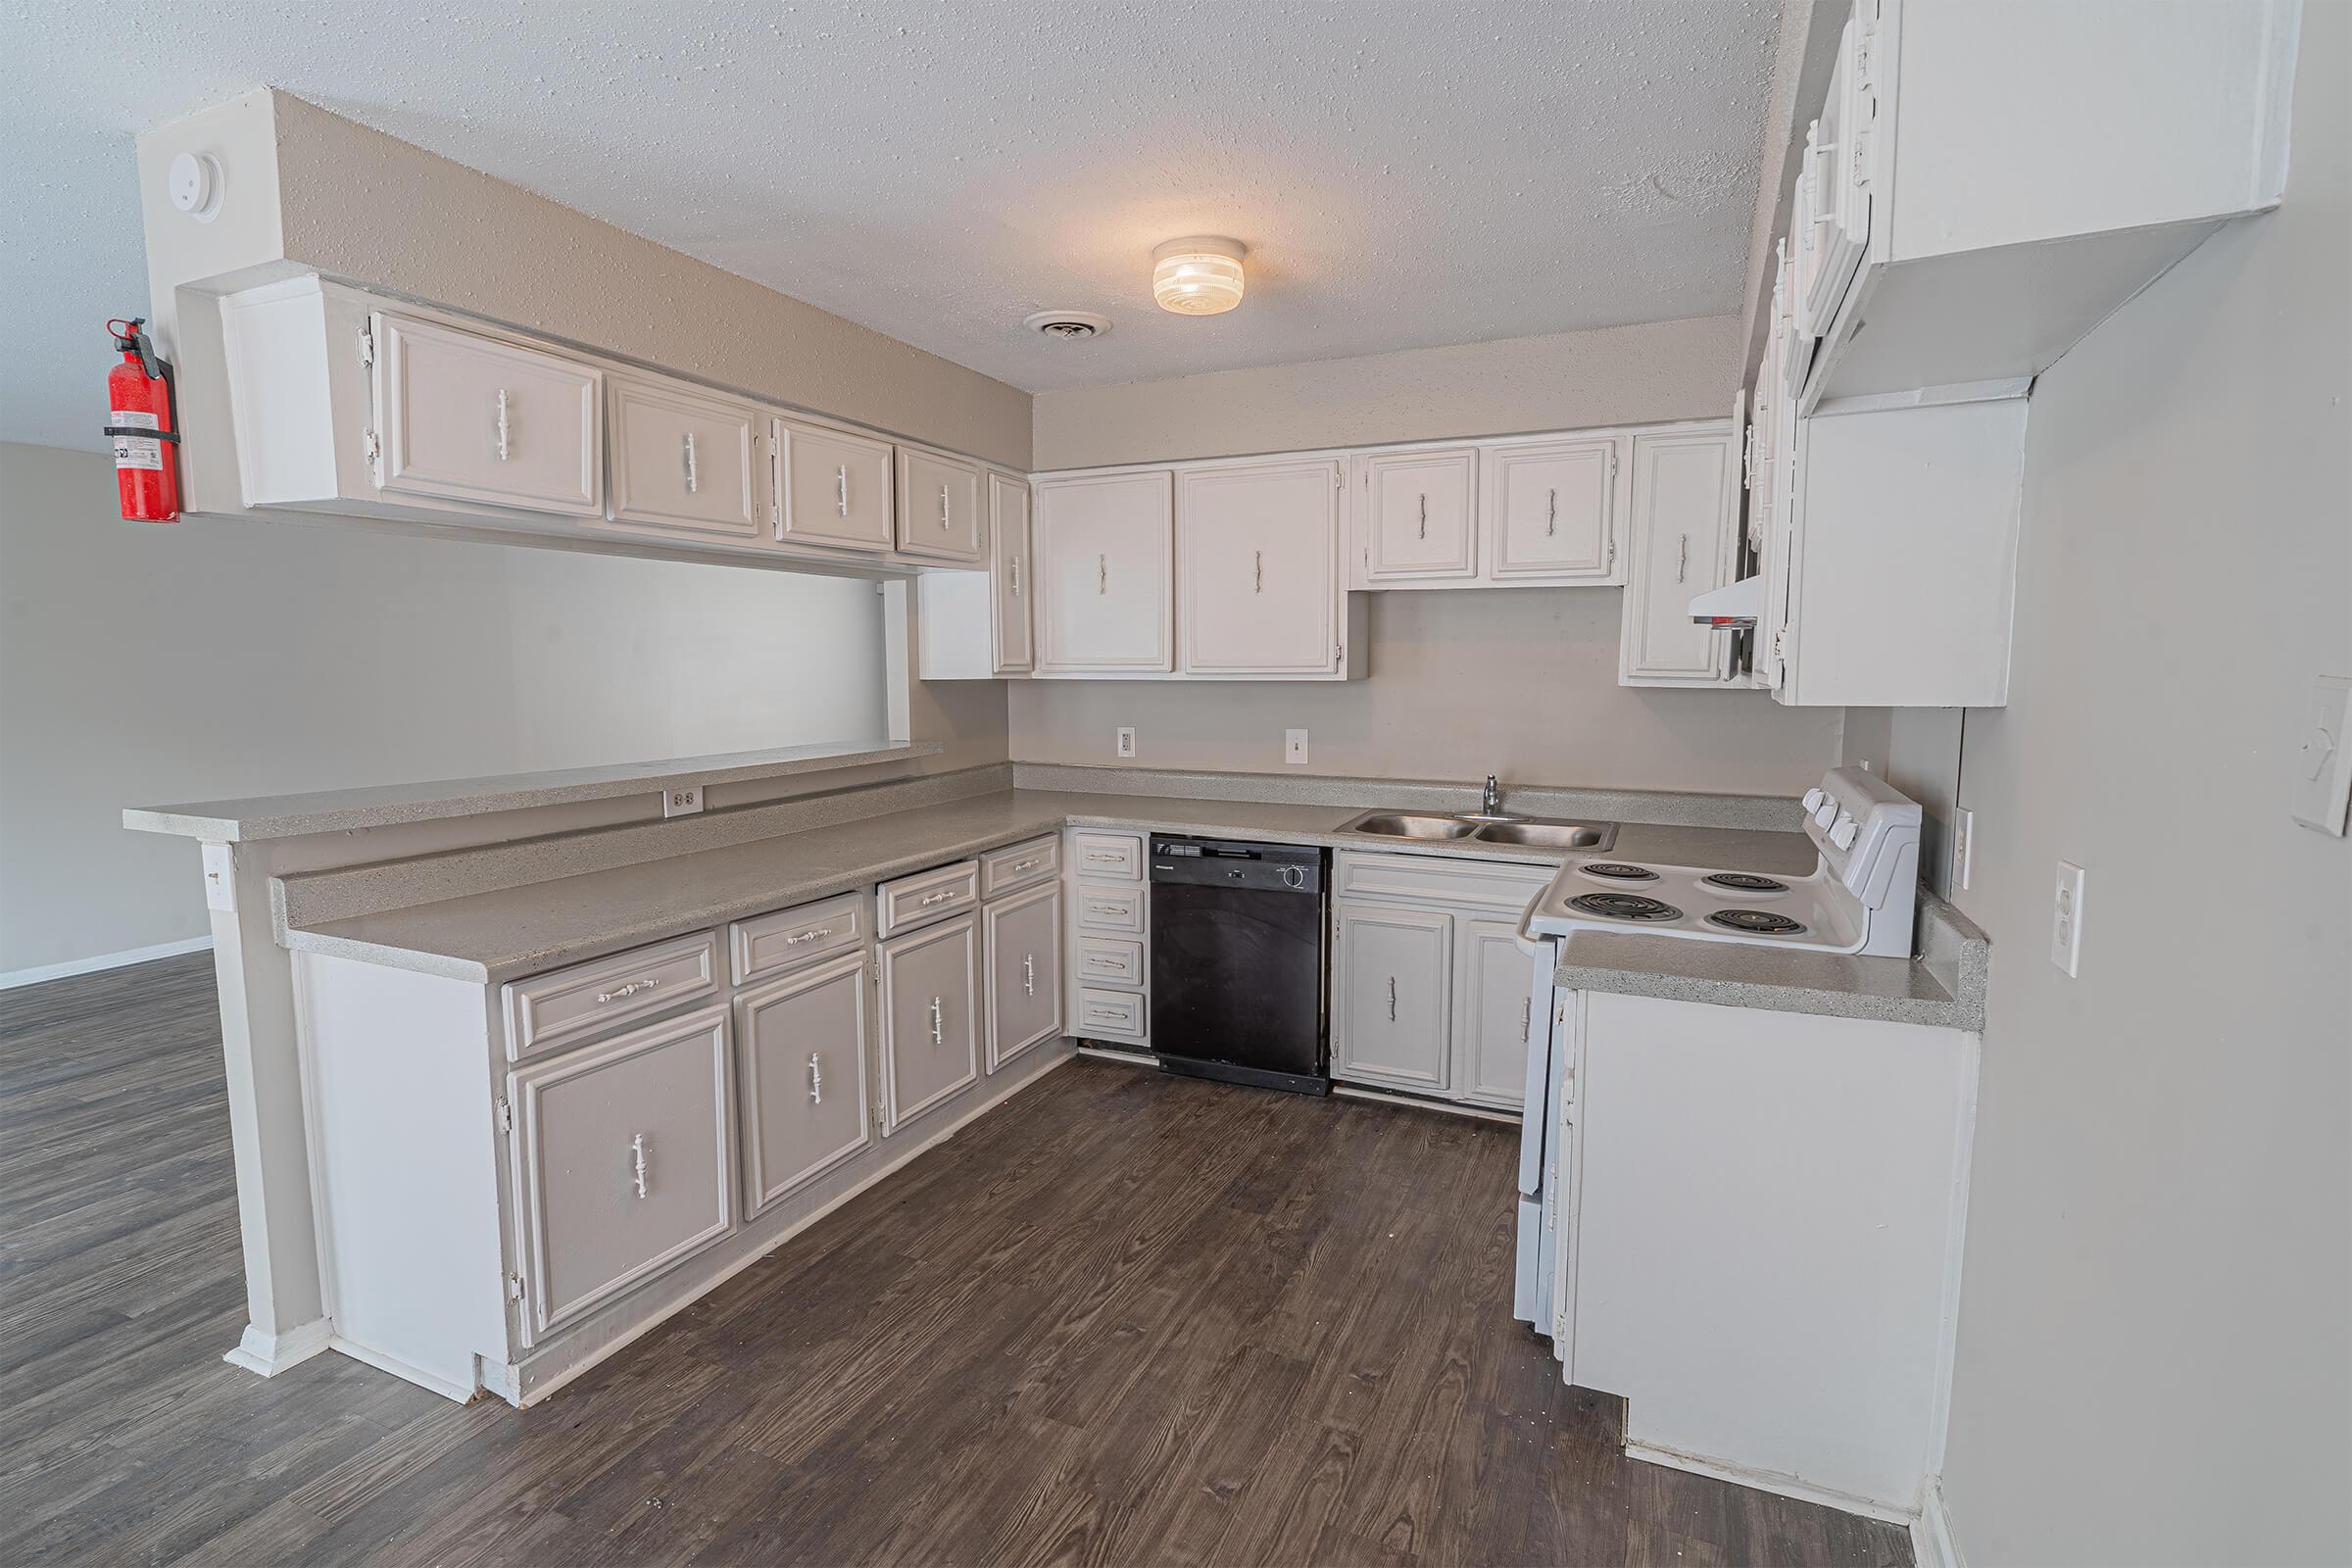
1457 883
571 1006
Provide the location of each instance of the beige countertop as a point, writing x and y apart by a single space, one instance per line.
500 935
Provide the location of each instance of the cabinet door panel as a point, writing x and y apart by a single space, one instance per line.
624 1162
930 991
465 417
939 506
1685 497
802 1045
684 462
1394 995
1010 573
1418 513
1259 554
1104 548
1549 509
1023 942
1496 1010
833 488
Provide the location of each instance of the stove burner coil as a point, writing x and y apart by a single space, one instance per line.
1756 922
1744 882
1624 907
1618 871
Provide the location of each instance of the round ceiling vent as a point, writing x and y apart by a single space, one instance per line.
1069 326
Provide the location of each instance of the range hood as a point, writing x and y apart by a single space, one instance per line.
1735 605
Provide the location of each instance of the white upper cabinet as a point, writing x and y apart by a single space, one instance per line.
1103 545
831 488
939 506
1258 547
1418 513
684 460
1549 510
1685 510
461 416
1831 225
1011 575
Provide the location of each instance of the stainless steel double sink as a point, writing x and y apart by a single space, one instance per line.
1539 832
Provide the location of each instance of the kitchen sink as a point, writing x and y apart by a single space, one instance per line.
1546 835
1406 825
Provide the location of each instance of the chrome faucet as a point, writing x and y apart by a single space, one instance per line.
1489 805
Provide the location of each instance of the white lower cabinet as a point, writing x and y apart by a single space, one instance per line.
1392 996
930 1014
1021 939
801 1044
1110 936
1429 987
624 1162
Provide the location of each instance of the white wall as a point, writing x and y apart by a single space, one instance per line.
141 665
1520 681
2155 1344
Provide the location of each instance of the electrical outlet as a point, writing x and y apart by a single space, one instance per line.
1294 747
682 800
2066 920
1126 740
1964 843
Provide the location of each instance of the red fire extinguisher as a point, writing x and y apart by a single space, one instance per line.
143 421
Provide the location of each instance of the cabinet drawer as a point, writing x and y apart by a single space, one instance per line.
549 1011
1115 1014
1110 855
1499 885
624 1163
790 938
1003 871
927 896
1110 961
1110 906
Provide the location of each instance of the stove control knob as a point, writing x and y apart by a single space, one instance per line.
1842 835
1813 799
1826 812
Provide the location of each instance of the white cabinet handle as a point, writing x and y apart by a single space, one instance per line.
841 490
1098 962
943 505
1016 576
1101 574
809 935
1526 1017
694 478
1258 570
637 1156
816 1081
501 424
1425 516
1029 975
938 1026
1106 908
629 990
1391 999
1681 559
1551 512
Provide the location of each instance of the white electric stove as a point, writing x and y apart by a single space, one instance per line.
1858 898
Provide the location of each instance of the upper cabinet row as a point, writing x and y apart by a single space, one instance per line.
423 418
1542 512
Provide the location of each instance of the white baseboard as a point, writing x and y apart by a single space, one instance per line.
1772 1481
460 1393
104 961
271 1353
1932 1544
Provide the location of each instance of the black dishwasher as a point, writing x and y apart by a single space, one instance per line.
1237 962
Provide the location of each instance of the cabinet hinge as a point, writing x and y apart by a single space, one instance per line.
367 346
373 451
514 1286
1612 551
504 1111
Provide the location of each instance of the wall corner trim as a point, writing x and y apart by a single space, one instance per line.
1932 1543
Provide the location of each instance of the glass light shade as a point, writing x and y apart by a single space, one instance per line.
1197 277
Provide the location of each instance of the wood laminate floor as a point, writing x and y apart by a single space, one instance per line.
1124 1319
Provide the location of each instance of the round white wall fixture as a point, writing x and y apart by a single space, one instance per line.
195 183
1069 326
1198 276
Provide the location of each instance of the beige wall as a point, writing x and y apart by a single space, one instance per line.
1568 380
2155 1346
1519 681
144 664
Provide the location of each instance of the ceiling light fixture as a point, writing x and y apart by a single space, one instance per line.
1198 276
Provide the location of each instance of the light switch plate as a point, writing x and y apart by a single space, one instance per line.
1294 747
2066 920
1964 843
682 800
219 877
1126 740
2323 755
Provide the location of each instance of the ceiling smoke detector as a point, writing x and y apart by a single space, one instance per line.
1069 326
